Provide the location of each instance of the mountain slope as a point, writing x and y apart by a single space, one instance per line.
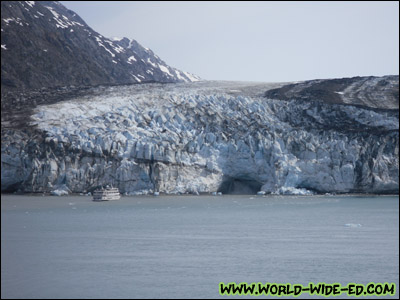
374 92
44 44
156 66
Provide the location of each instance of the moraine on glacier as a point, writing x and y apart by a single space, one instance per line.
201 137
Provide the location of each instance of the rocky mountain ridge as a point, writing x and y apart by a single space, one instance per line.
44 44
374 92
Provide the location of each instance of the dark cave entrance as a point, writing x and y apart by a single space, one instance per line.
241 185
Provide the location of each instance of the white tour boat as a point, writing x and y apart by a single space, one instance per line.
107 194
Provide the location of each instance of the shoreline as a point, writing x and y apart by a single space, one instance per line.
207 194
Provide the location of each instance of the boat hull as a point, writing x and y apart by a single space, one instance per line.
110 194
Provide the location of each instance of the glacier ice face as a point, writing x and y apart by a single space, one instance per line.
202 137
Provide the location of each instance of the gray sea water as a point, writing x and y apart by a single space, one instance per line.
183 246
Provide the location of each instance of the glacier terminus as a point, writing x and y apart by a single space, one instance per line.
202 137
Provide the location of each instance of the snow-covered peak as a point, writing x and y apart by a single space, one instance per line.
85 56
154 64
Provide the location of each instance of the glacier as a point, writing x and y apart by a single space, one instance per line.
201 137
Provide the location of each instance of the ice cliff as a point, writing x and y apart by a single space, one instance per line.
202 137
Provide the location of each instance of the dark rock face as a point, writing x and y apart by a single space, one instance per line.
374 92
44 44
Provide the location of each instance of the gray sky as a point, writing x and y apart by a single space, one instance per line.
258 41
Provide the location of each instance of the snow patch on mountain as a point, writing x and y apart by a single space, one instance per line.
30 3
61 20
164 69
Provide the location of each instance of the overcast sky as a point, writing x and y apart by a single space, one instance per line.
257 41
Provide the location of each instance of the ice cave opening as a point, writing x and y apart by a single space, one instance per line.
239 185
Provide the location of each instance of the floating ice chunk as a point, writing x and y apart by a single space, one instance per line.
293 191
260 193
59 192
352 225
156 193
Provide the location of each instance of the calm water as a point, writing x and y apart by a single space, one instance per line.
182 247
